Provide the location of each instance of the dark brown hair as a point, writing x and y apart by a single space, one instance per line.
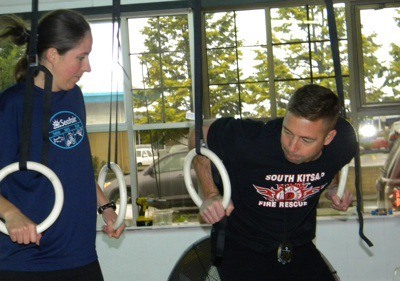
314 102
60 29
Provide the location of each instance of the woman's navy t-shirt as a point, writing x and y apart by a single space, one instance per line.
70 241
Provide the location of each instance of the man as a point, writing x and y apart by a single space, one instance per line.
278 171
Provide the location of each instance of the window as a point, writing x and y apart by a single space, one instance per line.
238 77
380 56
102 86
161 68
302 50
250 73
376 107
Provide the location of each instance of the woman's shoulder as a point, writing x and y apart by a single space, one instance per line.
14 93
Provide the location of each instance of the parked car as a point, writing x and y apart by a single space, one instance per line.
388 183
162 181
394 132
144 156
379 143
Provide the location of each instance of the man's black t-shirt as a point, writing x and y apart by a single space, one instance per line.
275 200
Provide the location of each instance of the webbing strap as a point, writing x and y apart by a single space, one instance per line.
333 36
116 23
217 236
357 167
218 230
198 73
116 19
46 112
28 99
339 85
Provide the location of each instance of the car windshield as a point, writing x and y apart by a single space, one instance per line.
172 163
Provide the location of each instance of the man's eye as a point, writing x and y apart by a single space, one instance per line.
308 141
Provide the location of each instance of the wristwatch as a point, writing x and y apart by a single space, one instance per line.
112 205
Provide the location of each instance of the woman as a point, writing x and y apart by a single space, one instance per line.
65 251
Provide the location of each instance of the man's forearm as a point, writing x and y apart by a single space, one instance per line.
202 166
332 188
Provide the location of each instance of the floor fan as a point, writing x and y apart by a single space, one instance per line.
195 264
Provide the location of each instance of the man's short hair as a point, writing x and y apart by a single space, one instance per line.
315 102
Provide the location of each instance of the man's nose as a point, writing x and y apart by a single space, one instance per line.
293 144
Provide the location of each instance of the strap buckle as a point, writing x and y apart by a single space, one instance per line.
33 60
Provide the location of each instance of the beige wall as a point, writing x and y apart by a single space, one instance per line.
99 146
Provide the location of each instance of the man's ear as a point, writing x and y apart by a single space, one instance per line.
329 137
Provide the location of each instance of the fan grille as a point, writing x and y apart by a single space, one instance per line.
195 264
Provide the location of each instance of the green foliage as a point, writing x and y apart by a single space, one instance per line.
159 138
222 60
9 56
309 53
302 54
166 75
393 73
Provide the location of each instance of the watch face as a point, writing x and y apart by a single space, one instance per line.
285 253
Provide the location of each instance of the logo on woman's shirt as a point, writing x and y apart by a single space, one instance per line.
67 130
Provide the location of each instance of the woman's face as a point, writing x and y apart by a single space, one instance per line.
68 68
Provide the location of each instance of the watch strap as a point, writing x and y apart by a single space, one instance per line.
111 204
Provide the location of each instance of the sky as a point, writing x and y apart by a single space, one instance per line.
101 62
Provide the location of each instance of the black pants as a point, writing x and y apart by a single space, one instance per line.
307 264
90 272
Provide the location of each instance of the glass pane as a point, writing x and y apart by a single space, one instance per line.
222 66
99 144
307 23
255 100
104 80
251 29
224 101
159 173
238 56
160 65
146 71
253 64
174 70
154 106
136 37
380 48
99 106
380 160
292 61
290 24
220 30
145 103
